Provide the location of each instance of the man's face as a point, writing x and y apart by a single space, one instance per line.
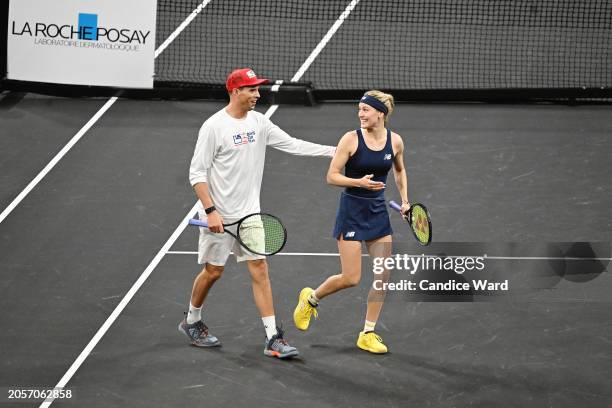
247 96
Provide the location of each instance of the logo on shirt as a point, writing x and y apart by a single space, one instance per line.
387 157
244 138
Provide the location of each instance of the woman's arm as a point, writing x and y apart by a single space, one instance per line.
399 171
346 147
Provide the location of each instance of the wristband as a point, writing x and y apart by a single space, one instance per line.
209 209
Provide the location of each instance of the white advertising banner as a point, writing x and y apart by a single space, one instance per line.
83 42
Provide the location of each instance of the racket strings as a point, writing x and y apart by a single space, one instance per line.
262 233
420 224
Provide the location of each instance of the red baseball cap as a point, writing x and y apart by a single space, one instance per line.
243 77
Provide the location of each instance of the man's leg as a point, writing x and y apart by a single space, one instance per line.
201 285
193 326
276 345
262 290
213 251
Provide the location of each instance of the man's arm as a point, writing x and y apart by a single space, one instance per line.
201 161
279 139
203 156
215 221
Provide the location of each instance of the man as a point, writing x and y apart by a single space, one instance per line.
226 173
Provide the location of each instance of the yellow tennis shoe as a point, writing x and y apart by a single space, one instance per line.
371 342
304 310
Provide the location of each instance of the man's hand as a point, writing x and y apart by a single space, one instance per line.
215 222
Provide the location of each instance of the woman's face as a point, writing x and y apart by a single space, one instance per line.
368 116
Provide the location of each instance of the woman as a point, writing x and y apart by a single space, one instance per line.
367 154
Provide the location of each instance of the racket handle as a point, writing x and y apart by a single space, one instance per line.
395 205
198 223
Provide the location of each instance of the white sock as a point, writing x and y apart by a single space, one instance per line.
269 323
312 299
194 315
368 326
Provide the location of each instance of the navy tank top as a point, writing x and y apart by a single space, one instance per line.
366 161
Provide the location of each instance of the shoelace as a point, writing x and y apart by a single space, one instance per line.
201 328
279 337
310 308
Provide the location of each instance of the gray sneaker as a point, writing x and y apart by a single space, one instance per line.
198 334
278 347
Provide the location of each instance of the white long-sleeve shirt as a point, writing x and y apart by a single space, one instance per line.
230 156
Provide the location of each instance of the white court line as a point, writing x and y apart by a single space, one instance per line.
276 85
330 33
548 258
536 258
278 254
181 27
156 260
92 121
119 308
56 159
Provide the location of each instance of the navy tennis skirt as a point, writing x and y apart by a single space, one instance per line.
362 218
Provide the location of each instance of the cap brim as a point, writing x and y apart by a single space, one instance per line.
254 82
259 81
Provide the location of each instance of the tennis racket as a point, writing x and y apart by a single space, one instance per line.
419 219
260 233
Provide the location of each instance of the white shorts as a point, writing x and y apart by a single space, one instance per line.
215 248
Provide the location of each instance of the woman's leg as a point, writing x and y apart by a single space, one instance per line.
350 262
368 340
308 300
378 248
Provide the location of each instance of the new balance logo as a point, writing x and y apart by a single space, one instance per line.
387 157
350 234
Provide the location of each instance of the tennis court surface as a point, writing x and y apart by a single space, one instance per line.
492 174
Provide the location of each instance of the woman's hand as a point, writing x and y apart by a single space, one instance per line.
367 183
404 210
